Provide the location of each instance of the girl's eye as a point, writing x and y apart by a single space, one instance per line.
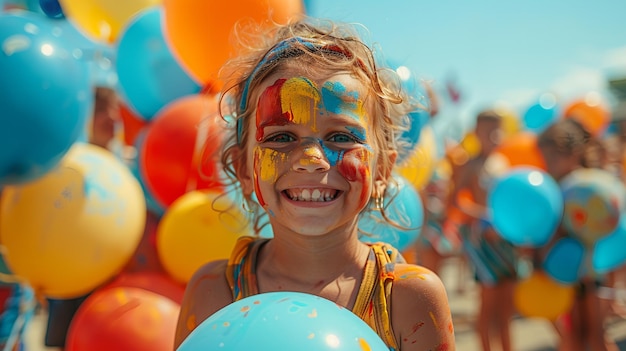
280 138
343 138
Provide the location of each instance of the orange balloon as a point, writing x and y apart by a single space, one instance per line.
592 115
199 32
521 150
124 318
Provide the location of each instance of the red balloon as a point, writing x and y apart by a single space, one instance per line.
124 319
180 150
158 283
133 124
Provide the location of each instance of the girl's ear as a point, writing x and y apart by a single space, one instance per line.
243 171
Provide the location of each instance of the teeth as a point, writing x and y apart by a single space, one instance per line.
311 195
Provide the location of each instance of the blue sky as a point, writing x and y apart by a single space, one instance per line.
498 52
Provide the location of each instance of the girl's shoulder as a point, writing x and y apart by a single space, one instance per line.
206 293
420 308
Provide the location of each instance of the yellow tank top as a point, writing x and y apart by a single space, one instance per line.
373 301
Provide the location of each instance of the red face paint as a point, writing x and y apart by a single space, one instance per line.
354 166
269 110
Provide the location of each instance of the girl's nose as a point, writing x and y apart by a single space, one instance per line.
310 158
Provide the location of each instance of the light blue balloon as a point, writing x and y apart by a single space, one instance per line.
149 75
45 95
564 262
539 116
417 119
609 252
283 321
525 205
403 205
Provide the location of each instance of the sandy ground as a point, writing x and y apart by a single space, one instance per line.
529 334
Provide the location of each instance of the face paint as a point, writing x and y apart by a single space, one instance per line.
297 100
355 167
338 100
287 101
265 166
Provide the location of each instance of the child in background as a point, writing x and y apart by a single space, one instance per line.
314 143
493 259
565 146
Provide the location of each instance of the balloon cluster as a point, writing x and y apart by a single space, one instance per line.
527 206
73 214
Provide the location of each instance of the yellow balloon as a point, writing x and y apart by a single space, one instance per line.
541 296
200 226
76 227
103 20
420 165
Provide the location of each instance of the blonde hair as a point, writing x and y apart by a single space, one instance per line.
317 46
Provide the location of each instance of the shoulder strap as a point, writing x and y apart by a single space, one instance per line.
373 302
241 269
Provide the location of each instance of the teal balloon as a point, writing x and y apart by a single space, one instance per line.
564 261
609 252
403 206
283 321
525 206
419 117
539 117
45 95
149 75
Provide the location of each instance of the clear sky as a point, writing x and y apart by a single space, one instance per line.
497 51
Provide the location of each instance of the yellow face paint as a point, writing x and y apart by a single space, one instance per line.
299 97
267 161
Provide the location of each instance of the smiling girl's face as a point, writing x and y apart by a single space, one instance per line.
309 156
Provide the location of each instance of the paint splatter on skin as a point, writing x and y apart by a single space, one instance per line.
432 316
410 272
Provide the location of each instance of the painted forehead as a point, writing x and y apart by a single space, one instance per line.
300 100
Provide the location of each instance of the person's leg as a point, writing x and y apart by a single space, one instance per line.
505 309
594 313
485 322
569 329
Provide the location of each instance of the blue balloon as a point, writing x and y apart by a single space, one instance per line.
419 117
45 96
609 252
539 117
283 321
149 75
403 206
564 262
525 206
51 8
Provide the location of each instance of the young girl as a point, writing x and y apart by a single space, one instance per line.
314 145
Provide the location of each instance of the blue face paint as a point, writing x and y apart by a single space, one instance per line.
334 99
331 155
